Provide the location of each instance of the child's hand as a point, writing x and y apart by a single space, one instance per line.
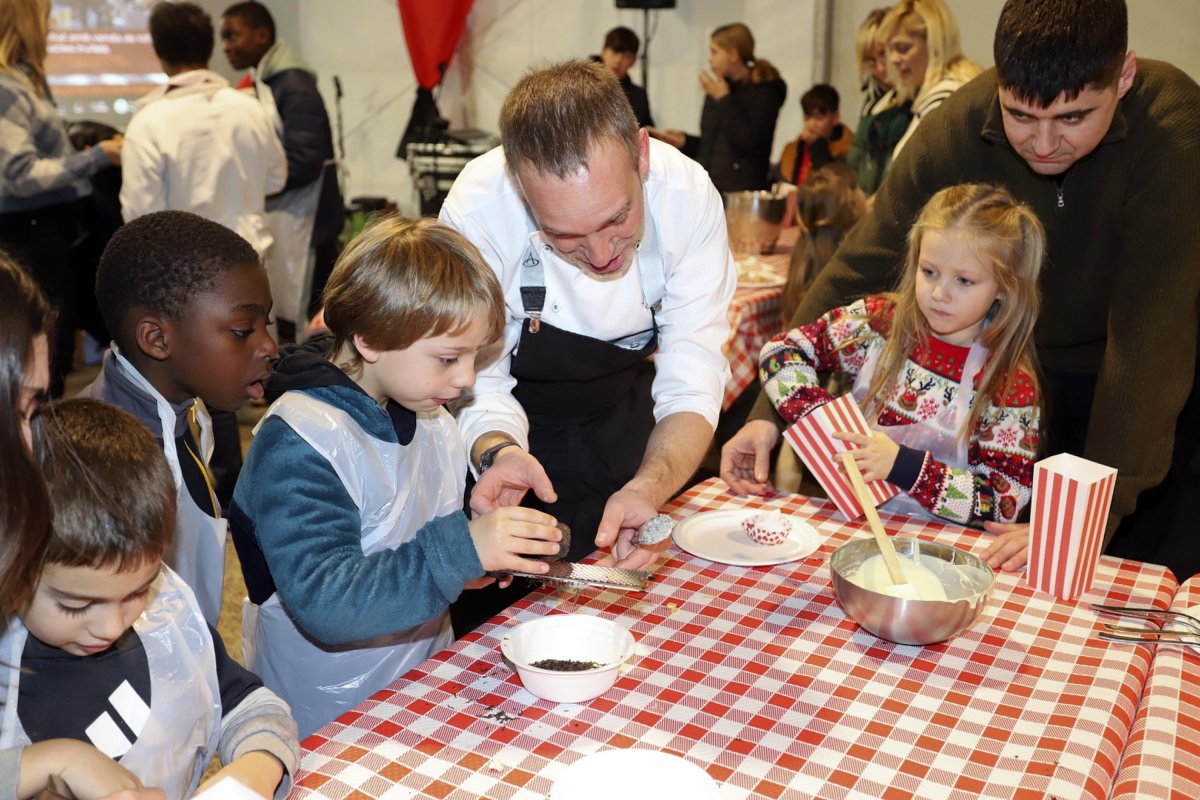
1008 553
258 771
73 768
502 536
875 456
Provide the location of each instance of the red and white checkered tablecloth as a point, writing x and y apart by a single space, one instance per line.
755 674
754 317
1162 759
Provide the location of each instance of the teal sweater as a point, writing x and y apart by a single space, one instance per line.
291 514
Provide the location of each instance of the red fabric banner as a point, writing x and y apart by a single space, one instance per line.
432 31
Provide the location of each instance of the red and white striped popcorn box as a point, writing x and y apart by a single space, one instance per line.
1071 496
811 438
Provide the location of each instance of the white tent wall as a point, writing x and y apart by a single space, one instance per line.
361 41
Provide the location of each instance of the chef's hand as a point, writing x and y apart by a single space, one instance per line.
1008 553
513 473
875 456
713 85
672 137
624 513
746 458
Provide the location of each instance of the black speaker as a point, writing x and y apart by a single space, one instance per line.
645 3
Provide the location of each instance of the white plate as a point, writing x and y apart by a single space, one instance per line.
761 284
719 536
633 775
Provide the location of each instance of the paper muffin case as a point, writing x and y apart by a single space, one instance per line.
767 528
1071 497
811 438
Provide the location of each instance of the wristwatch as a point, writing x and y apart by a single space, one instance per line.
489 455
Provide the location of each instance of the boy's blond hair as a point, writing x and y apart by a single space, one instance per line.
111 491
403 280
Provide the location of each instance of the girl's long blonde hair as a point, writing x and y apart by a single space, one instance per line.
23 32
1007 235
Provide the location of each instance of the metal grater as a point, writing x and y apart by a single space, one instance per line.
577 576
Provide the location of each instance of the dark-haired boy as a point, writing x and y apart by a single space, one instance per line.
619 54
188 303
1105 147
824 138
112 649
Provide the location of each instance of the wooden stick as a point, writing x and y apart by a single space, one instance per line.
886 548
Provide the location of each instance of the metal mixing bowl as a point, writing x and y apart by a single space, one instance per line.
907 621
754 220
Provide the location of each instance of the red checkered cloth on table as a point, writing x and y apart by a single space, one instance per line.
754 317
821 453
756 675
1162 759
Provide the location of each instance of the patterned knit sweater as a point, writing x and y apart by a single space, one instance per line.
997 483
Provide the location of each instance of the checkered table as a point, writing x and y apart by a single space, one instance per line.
754 317
1162 759
755 674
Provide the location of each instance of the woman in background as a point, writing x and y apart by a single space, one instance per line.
925 59
871 53
44 177
743 95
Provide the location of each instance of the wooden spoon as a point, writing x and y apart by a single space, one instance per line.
886 549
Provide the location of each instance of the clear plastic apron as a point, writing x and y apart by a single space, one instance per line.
197 552
179 735
937 435
397 489
290 216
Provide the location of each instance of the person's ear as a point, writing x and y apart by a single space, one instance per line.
368 354
1128 73
643 153
152 335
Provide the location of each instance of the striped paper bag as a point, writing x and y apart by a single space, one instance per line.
820 452
1071 496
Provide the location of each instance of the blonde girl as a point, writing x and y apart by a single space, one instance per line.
943 367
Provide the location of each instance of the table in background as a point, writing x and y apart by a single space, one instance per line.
754 317
1162 759
755 674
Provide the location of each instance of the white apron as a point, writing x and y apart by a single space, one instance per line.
179 736
937 435
290 216
397 489
197 552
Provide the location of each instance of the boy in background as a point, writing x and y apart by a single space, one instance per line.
619 54
348 514
188 304
824 138
110 629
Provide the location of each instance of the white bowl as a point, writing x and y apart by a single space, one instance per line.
633 775
574 637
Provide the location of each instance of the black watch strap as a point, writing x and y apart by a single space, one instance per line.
488 456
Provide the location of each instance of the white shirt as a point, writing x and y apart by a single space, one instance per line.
199 145
690 368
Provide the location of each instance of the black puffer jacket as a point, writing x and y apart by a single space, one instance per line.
736 134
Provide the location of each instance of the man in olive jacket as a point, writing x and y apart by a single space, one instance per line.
1105 148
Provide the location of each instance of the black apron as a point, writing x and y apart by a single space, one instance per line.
590 415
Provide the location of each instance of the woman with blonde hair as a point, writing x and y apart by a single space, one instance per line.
44 177
737 125
925 59
870 52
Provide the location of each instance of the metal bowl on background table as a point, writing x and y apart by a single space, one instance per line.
754 220
967 579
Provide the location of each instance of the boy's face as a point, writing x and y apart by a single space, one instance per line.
83 610
244 46
219 348
619 63
426 375
820 125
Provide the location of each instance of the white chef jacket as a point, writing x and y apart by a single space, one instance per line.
199 145
690 368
